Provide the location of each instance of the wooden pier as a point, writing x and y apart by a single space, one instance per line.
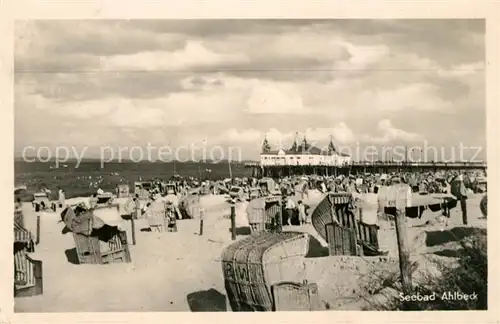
360 168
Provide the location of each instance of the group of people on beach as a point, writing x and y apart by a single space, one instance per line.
457 184
301 209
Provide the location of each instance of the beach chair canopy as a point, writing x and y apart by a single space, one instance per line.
19 191
481 180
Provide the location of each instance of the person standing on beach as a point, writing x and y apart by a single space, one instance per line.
18 214
323 187
302 212
61 198
18 205
289 209
459 190
93 201
137 211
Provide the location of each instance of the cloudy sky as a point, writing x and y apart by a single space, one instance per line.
231 82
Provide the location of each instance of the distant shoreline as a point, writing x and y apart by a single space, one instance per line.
97 160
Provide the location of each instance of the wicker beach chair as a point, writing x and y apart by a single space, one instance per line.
171 217
42 200
484 205
95 241
334 218
28 279
92 250
292 296
123 190
155 215
265 214
253 265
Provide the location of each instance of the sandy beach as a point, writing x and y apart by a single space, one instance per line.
181 271
377 113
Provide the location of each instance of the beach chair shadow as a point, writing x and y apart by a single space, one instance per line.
449 253
72 256
315 249
455 234
207 301
244 230
126 217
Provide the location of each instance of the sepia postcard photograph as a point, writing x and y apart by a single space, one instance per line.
249 165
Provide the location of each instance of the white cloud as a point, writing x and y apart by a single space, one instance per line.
391 133
362 57
385 79
341 133
181 108
75 110
300 45
137 117
204 83
462 70
416 96
193 54
269 99
252 136
279 139
246 135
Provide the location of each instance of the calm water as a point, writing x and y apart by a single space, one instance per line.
89 175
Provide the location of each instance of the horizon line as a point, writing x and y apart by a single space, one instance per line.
21 159
69 160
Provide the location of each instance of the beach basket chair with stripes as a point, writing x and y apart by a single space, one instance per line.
23 236
28 279
19 217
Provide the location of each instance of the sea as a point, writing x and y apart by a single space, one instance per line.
85 178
